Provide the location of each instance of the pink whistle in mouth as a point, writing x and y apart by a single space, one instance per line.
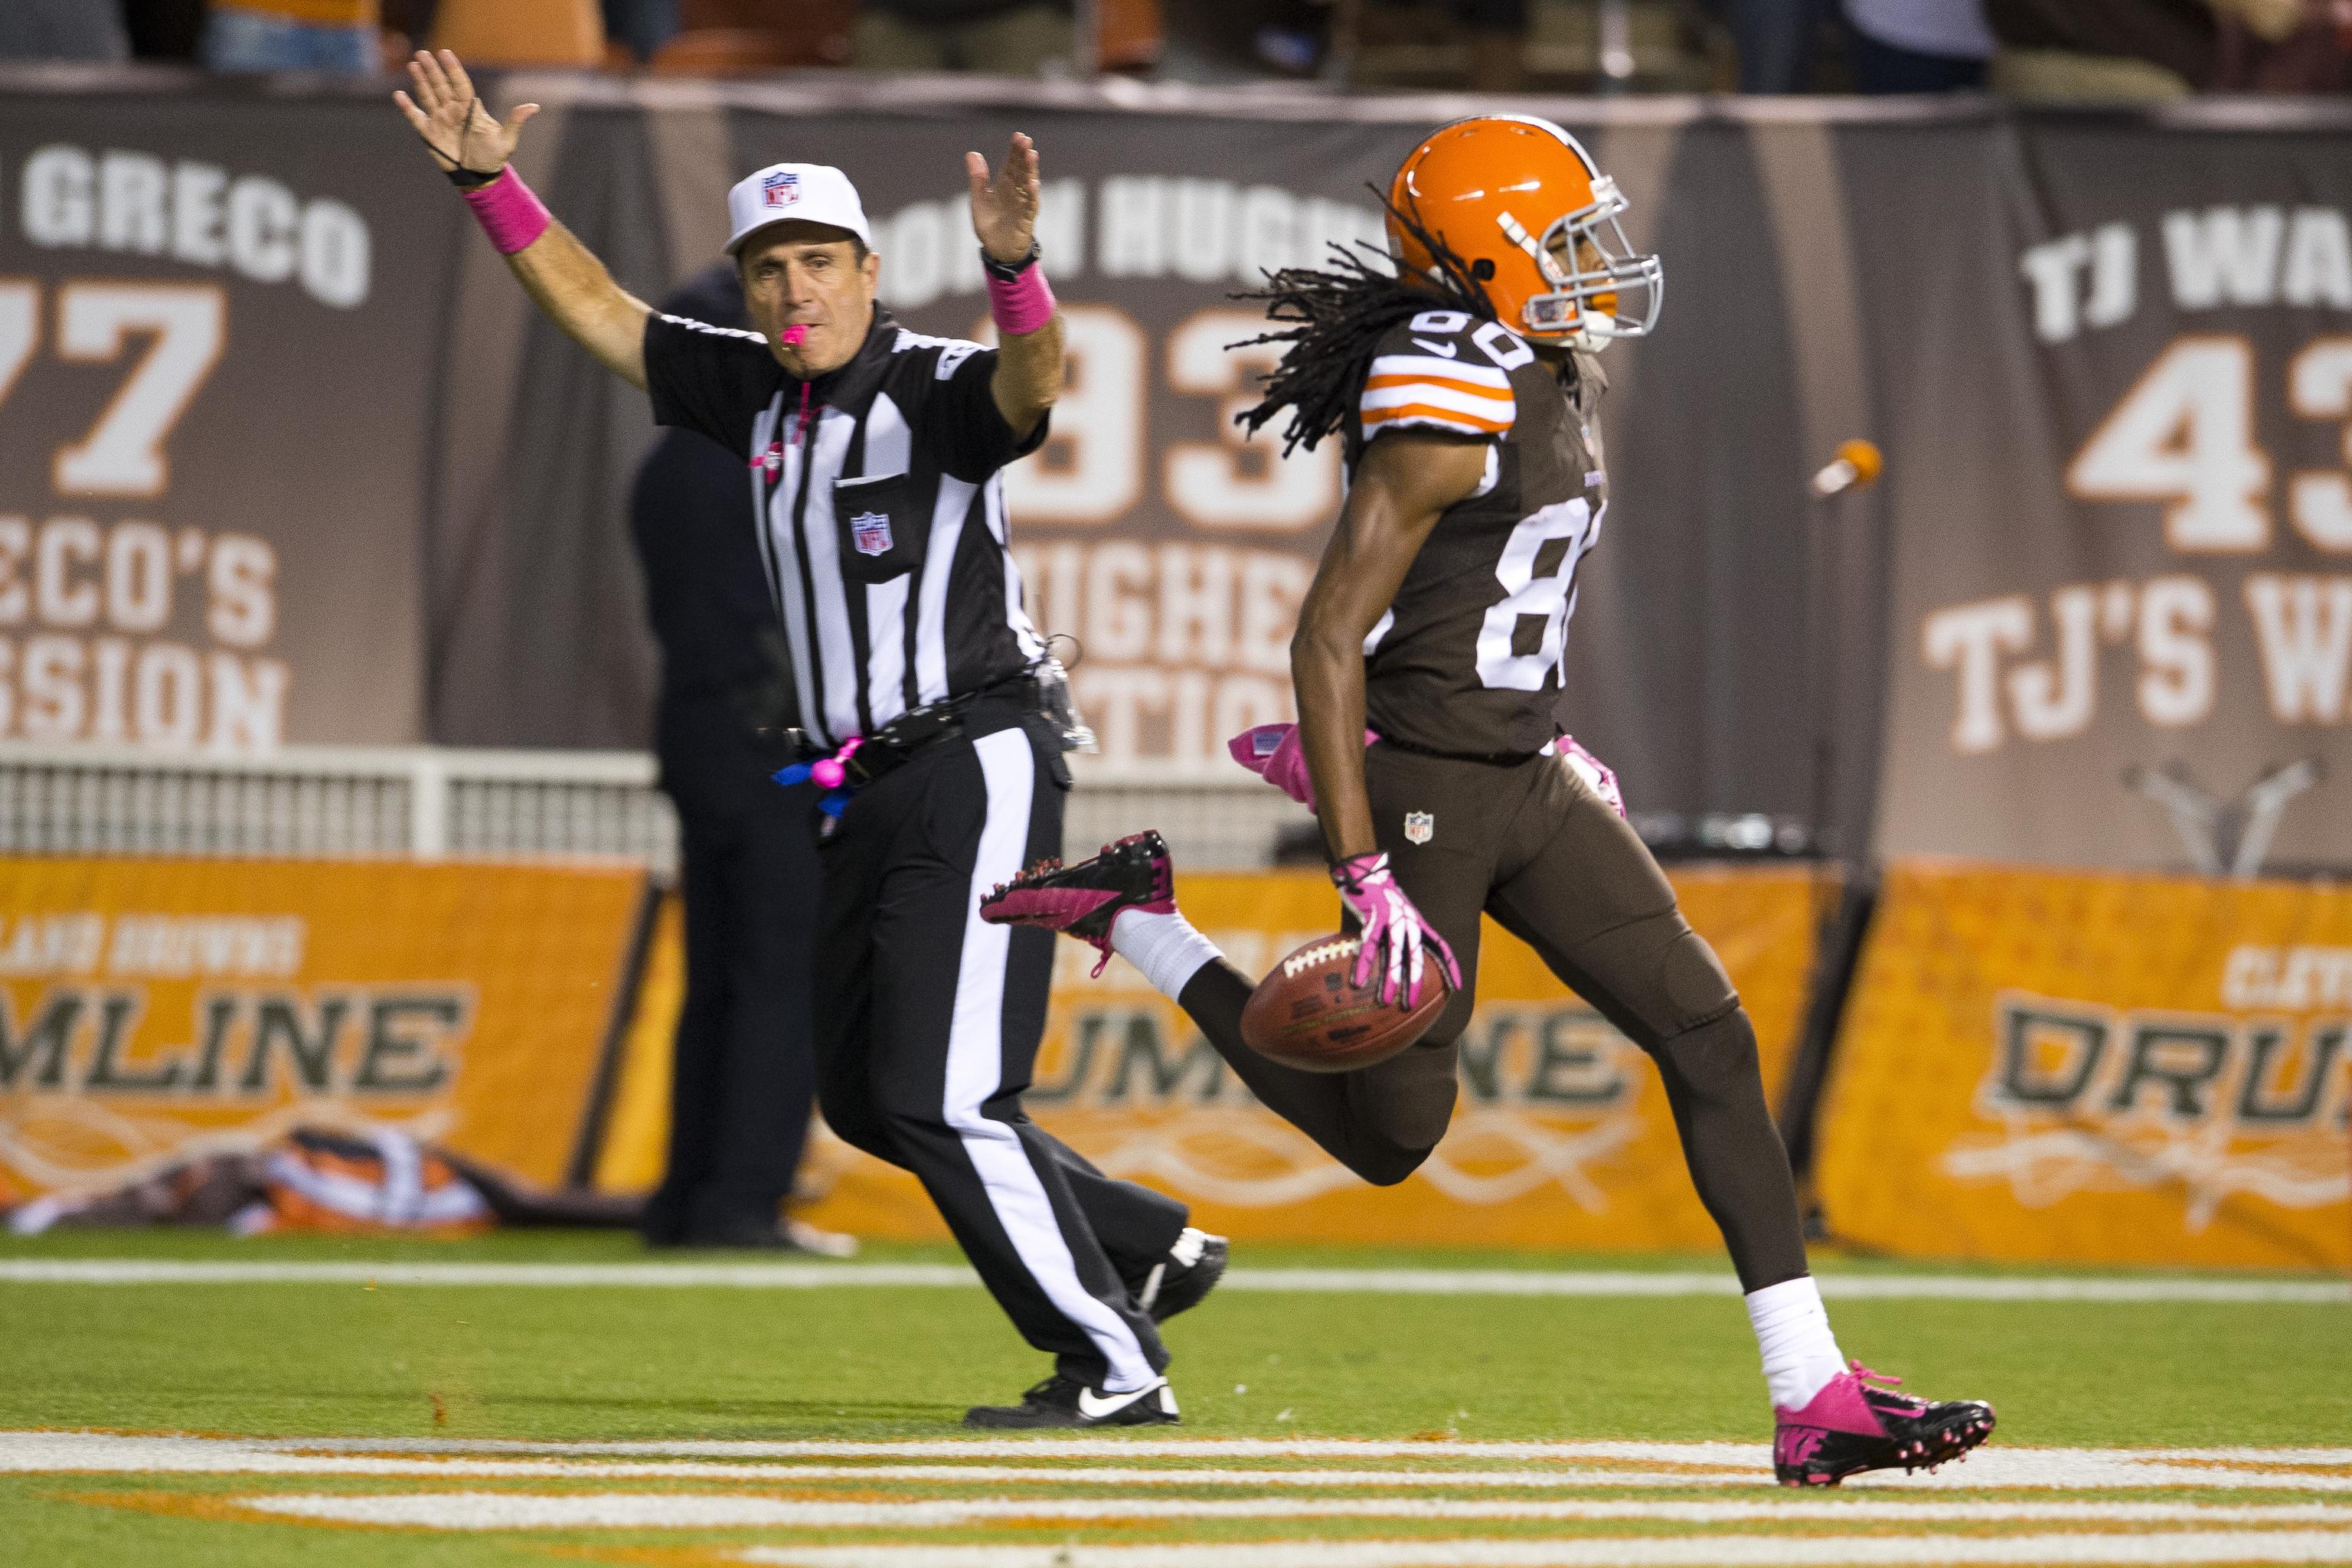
793 336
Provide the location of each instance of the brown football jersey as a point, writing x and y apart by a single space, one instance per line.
1467 659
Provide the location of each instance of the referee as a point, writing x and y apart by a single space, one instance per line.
873 456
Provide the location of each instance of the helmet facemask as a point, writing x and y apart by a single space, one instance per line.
1592 268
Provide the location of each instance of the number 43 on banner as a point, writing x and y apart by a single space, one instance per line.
2184 433
123 453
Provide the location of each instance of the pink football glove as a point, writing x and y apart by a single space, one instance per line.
1390 931
1595 773
1276 755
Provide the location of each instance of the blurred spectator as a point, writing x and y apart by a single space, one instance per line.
2285 46
164 29
62 30
1498 44
335 36
996 38
641 26
404 26
1775 40
2121 51
520 32
1917 46
2102 51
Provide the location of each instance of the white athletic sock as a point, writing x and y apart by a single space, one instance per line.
1792 1329
1165 947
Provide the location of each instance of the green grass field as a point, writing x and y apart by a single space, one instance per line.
586 1363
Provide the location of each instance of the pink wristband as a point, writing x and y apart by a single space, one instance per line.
507 212
1022 305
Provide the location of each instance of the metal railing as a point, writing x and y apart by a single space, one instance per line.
435 802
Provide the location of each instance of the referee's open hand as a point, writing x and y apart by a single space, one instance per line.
448 114
1004 209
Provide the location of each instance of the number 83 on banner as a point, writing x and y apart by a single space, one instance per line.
1092 470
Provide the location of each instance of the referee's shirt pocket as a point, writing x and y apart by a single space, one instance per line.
882 531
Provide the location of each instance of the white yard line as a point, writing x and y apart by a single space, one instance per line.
670 1510
1746 1455
1650 1466
1342 1282
1720 1550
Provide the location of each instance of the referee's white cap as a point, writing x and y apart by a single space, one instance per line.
787 192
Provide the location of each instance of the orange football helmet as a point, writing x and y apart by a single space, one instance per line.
1524 207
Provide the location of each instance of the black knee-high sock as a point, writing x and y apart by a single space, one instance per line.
1324 1106
1737 1159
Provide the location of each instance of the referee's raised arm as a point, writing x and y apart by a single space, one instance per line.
562 274
1029 366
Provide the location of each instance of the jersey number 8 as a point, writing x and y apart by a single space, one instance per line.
1526 596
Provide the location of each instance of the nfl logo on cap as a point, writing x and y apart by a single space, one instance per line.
793 193
870 533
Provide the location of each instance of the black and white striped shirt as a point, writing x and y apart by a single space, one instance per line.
882 501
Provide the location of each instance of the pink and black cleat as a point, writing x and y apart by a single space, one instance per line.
1851 1427
1082 900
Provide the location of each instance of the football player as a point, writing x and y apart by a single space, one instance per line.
1427 663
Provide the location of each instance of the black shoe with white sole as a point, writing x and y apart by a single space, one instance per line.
1065 1402
1189 1272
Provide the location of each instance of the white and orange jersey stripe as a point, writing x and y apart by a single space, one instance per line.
1424 389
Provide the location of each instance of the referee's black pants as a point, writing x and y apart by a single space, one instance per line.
928 1024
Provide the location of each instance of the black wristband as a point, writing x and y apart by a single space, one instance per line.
1005 272
466 179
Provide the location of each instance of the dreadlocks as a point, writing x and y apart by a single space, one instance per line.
1341 315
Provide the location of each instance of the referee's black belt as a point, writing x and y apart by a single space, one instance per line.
900 741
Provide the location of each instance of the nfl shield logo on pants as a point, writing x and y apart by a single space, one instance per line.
1419 826
870 533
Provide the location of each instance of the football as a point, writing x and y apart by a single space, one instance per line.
1309 1014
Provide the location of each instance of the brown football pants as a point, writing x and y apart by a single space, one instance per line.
1531 845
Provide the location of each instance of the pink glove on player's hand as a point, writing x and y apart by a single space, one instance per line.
1390 931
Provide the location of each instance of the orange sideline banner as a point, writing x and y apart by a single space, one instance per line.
155 1010
1561 1136
2095 1068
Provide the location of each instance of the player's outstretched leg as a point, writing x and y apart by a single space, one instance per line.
1381 1123
1583 891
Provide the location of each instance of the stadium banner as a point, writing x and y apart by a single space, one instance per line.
285 456
2050 1066
151 1010
1561 1136
217 346
2115 384
2102 357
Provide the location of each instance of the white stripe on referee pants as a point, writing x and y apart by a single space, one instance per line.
976 1070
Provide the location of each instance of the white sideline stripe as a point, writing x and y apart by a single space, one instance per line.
1339 1281
1728 1464
1721 1551
671 1510
1741 1455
